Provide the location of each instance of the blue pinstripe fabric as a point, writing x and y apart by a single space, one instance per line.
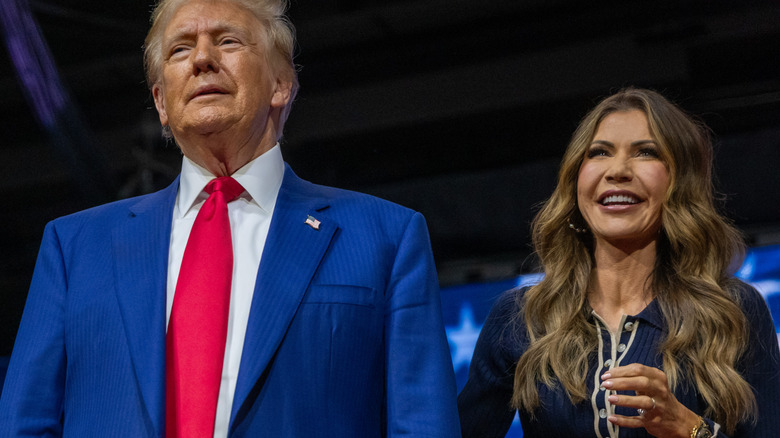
345 337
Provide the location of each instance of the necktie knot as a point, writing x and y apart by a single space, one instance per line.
229 187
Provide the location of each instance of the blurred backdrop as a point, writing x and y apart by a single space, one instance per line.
458 109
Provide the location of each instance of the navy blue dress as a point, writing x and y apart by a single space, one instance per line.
484 402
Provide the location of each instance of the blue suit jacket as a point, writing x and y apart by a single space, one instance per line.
345 337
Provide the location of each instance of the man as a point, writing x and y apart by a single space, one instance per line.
329 324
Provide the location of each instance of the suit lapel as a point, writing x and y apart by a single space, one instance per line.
140 246
292 253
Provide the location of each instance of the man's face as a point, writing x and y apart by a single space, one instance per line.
215 73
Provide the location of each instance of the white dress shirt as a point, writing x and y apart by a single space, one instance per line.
250 218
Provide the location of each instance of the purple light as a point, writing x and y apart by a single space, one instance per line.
33 61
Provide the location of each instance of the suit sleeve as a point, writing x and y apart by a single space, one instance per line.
420 382
32 398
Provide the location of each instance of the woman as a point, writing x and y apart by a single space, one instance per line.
637 328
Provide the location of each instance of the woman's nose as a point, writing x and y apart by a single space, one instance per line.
619 170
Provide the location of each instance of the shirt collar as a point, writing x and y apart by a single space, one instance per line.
261 178
652 314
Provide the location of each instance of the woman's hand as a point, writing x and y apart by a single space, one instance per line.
659 412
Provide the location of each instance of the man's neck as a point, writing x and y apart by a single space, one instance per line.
225 152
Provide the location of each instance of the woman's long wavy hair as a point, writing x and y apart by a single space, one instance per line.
691 282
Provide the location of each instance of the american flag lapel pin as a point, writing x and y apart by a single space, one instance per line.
314 223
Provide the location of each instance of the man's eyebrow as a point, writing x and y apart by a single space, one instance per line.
190 31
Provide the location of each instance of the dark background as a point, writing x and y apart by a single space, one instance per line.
458 109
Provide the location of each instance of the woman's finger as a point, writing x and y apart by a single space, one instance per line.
640 384
644 402
623 421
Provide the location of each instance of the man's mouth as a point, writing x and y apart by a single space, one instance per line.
209 90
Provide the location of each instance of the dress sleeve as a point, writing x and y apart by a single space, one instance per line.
484 403
761 367
420 381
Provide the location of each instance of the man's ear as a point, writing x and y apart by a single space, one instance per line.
159 102
282 93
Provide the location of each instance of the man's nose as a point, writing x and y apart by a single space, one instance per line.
205 57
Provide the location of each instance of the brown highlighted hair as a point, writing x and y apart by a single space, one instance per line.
691 278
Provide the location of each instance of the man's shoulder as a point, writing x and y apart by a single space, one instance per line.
360 213
106 214
353 201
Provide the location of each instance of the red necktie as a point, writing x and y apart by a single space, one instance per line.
197 329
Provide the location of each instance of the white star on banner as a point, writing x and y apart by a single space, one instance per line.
463 337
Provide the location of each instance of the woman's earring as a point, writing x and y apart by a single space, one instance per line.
576 228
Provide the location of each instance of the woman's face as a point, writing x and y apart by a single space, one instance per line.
622 181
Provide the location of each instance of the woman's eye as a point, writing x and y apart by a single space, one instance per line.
648 152
596 152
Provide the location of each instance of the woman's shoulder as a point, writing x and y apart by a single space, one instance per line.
509 302
762 331
748 297
507 309
504 325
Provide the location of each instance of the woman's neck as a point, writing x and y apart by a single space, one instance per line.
620 282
